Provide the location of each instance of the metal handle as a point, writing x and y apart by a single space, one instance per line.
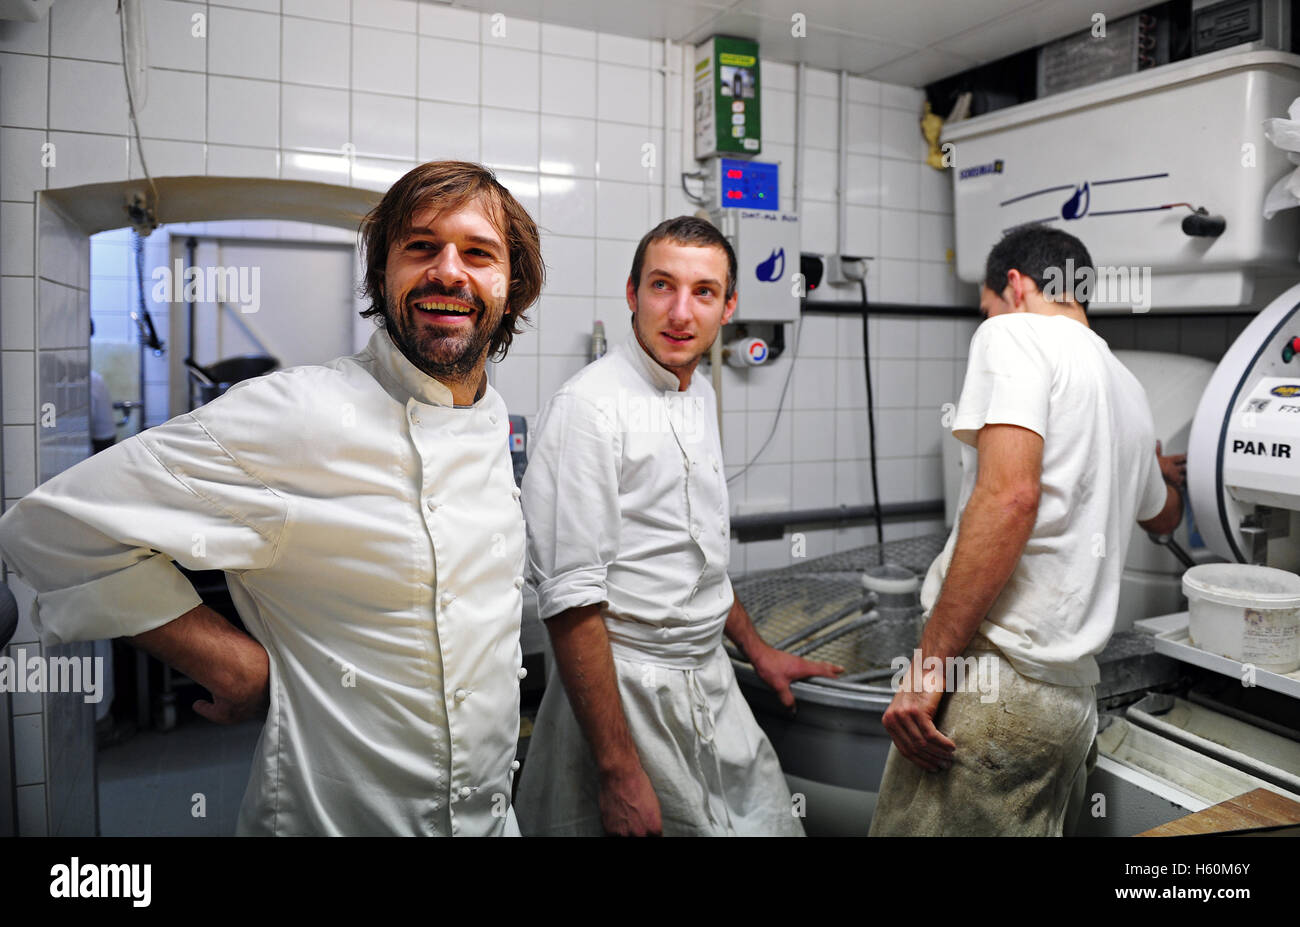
1167 540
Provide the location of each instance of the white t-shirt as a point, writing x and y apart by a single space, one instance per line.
1056 377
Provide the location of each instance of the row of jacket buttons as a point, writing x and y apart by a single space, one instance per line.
695 529
415 418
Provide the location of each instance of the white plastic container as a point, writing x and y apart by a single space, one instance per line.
1244 612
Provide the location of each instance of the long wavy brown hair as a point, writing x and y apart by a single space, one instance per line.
443 185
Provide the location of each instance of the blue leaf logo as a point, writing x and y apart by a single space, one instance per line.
773 268
1076 207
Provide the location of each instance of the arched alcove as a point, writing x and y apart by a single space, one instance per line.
102 206
65 220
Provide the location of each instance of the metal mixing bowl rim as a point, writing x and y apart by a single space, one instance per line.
826 692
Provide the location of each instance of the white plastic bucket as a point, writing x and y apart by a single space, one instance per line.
1248 613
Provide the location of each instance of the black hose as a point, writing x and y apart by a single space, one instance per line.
871 423
191 249
143 321
8 615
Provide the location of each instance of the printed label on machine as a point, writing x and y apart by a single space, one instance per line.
1261 444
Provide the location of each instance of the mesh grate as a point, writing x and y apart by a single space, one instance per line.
816 608
916 554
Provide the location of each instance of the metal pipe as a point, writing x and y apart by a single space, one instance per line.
859 607
667 122
838 514
1203 744
800 123
855 309
830 636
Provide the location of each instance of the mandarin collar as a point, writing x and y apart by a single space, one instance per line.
658 375
407 379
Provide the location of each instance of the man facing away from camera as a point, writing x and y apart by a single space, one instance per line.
1060 458
645 731
366 516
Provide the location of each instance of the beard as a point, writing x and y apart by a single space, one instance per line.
443 356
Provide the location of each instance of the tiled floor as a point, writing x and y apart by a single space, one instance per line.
150 785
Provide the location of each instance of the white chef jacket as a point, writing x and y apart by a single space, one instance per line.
626 502
373 542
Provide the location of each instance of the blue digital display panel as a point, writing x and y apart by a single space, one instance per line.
749 184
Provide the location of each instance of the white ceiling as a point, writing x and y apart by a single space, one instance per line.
911 42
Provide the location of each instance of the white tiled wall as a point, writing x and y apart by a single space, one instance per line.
899 213
46 404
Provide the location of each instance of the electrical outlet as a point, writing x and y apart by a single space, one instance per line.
845 270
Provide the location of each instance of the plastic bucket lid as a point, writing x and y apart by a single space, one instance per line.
890 579
1243 584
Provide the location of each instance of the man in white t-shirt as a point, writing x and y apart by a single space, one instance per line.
1060 459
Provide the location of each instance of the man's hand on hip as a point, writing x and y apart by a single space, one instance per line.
227 662
909 721
629 806
778 669
247 697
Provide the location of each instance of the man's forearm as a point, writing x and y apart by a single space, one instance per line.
1170 517
741 631
992 535
211 651
586 665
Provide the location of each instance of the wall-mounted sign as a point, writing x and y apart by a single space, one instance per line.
727 97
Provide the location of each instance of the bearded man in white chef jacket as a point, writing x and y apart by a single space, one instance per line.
366 516
645 731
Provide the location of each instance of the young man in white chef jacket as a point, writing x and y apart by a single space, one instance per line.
366 516
645 731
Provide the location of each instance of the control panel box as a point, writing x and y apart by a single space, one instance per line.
766 243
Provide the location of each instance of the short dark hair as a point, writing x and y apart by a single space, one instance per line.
1033 249
692 232
447 185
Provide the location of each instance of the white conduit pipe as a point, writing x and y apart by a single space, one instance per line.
841 195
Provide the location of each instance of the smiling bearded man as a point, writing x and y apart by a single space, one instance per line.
366 516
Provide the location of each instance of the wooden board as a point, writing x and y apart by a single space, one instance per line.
1260 808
